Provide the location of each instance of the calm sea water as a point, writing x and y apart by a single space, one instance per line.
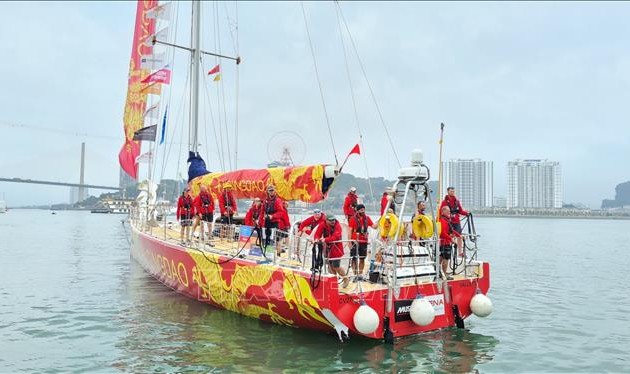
71 299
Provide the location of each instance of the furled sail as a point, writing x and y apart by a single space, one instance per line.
306 183
136 98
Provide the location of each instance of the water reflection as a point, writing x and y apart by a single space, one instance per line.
169 332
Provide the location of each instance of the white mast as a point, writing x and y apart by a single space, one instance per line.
194 88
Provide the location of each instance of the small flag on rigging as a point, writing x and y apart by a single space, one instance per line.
145 157
154 88
160 12
146 133
215 70
161 76
152 112
354 151
217 78
164 126
152 61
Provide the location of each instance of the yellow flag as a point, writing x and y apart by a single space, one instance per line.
217 77
154 88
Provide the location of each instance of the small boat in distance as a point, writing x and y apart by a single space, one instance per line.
114 206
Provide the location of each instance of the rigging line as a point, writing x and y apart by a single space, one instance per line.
354 106
49 129
219 124
236 92
165 155
319 83
378 109
177 120
221 89
214 127
231 24
173 19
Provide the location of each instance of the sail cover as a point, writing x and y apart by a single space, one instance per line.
304 183
136 100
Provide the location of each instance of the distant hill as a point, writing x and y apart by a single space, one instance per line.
622 197
342 185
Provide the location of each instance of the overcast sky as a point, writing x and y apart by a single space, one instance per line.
510 80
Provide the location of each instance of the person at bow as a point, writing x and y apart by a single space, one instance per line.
456 210
255 217
328 239
359 233
387 201
273 209
447 236
185 213
227 204
204 208
308 225
350 204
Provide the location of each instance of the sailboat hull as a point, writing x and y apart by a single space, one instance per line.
285 296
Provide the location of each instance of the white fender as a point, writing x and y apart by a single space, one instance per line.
481 305
421 312
365 319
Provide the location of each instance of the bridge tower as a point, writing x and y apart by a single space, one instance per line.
82 177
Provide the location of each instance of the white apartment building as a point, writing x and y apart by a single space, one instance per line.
534 184
472 179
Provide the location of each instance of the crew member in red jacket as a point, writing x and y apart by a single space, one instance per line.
185 213
204 209
387 201
359 233
255 217
308 225
284 225
329 235
350 204
227 204
447 235
273 209
451 201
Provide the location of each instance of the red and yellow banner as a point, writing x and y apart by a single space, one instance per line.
136 100
292 183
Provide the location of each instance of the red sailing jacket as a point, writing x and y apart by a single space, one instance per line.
311 223
359 225
255 216
274 208
284 222
331 235
226 199
350 204
185 207
385 203
455 206
446 232
204 204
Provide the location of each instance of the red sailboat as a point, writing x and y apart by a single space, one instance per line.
403 293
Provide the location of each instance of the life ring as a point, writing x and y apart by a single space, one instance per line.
422 226
389 230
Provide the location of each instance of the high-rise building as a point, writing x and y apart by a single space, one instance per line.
534 184
472 179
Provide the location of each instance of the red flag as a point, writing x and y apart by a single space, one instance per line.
214 70
161 76
355 150
127 158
